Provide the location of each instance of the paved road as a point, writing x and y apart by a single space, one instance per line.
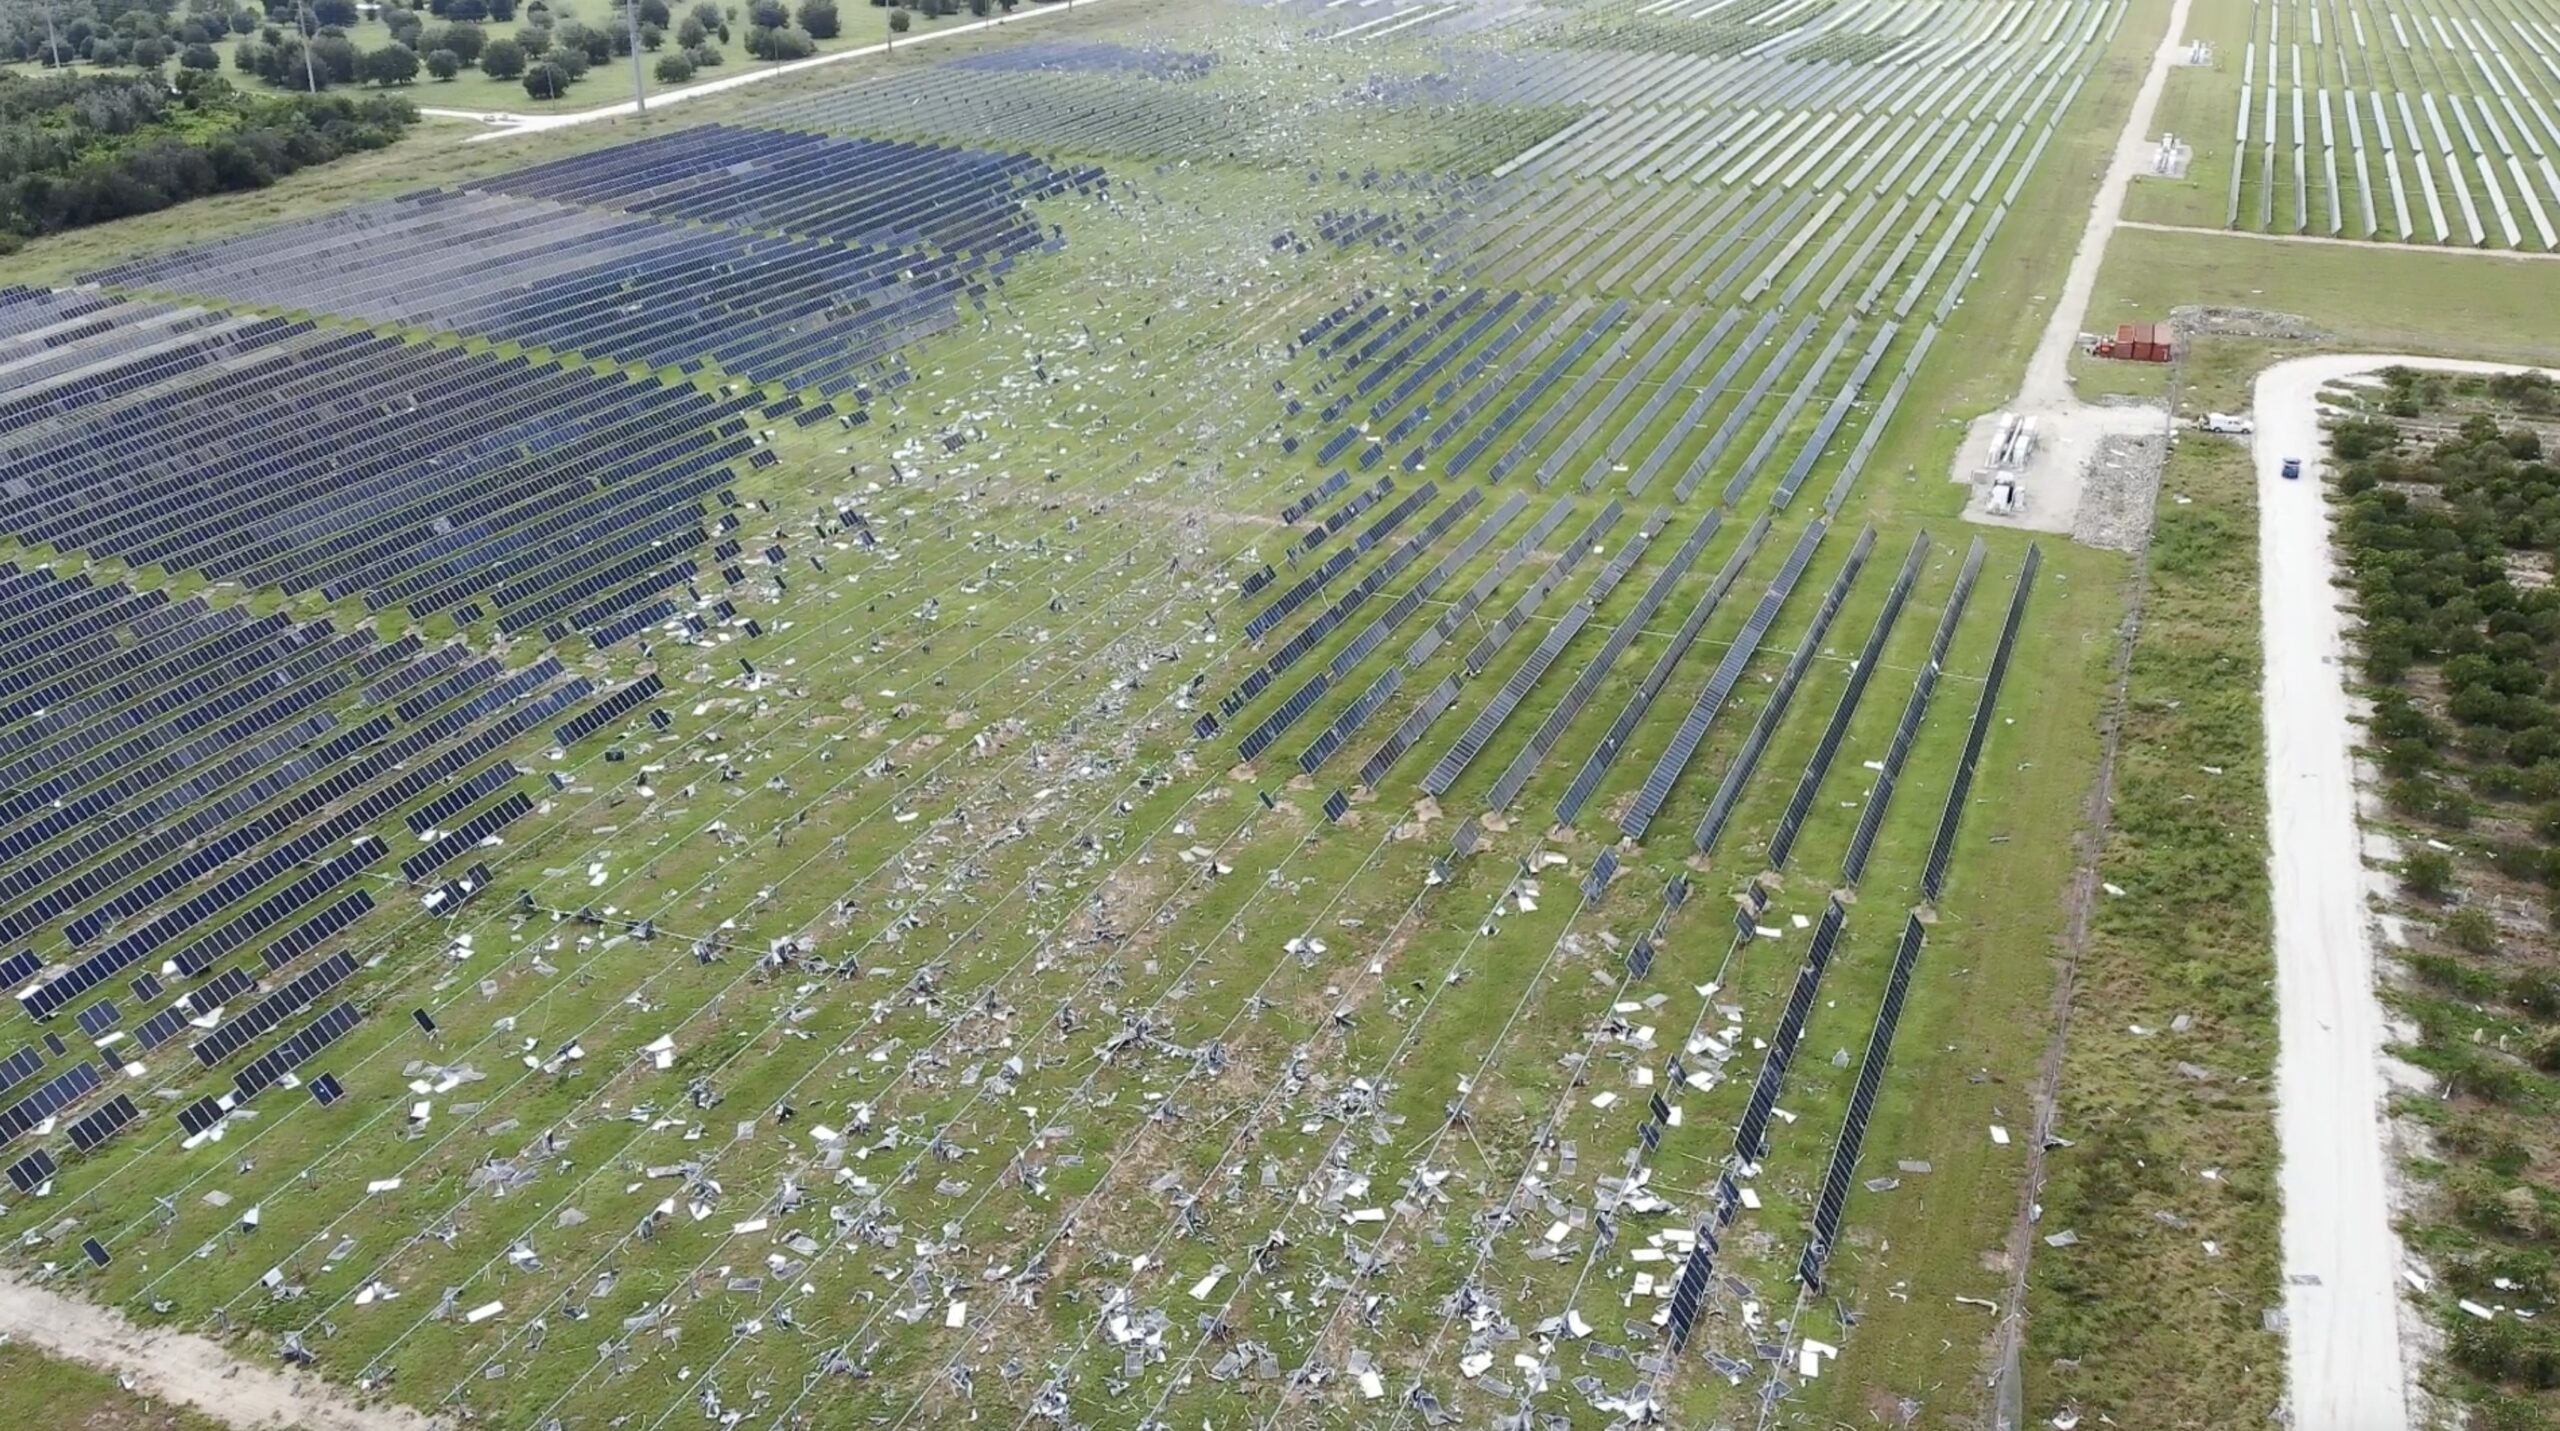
2342 1260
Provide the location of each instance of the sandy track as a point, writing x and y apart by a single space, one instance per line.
178 1367
2342 1259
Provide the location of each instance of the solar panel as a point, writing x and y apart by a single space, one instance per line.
30 1172
18 1067
95 1129
97 1018
327 1089
20 967
94 1250
49 1099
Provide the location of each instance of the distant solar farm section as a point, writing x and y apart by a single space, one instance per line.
1161 725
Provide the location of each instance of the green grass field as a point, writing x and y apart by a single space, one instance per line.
971 767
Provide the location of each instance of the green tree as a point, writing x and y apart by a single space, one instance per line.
674 69
767 14
390 65
503 59
341 13
465 39
150 53
338 58
655 12
702 57
200 57
780 44
443 64
547 80
818 17
898 20
690 32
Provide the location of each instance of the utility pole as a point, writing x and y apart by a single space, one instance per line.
639 97
310 32
52 41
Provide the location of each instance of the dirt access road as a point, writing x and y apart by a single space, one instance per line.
190 1370
2069 432
2347 1362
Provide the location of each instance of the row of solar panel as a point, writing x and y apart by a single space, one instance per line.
1800 804
1942 847
880 190
1586 683
466 837
1314 582
1750 1137
45 999
1482 588
608 710
406 498
377 762
1516 690
1773 708
1833 1200
296 1051
1449 565
1409 730
49 1099
1322 492
297 994
1525 398
1455 419
1353 716
1583 544
1289 652
1344 515
1710 699
199 1002
1871 816
340 782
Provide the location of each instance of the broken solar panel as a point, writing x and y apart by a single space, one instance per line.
94 1250
327 1090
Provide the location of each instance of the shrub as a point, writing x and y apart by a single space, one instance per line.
503 59
443 64
702 57
898 21
199 57
2427 873
690 32
2471 929
818 17
674 69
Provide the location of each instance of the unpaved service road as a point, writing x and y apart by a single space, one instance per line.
190 1370
2342 1260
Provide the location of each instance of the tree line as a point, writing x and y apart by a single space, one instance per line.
84 149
